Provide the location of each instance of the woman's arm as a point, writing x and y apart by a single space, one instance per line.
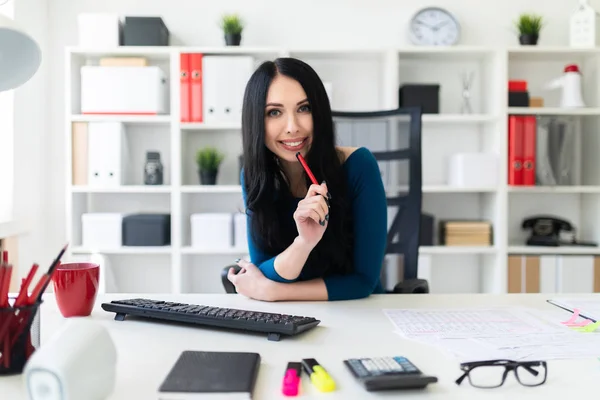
291 260
287 266
370 230
370 238
313 290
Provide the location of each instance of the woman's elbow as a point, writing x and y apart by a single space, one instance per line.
363 290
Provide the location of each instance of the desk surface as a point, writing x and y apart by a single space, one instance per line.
147 350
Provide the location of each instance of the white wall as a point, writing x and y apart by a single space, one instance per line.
373 23
34 170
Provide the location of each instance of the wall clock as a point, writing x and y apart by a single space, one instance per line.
434 26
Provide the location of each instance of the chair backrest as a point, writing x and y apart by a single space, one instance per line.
394 138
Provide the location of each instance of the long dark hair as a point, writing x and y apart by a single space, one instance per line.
268 195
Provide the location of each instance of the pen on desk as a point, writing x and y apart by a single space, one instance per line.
291 379
318 375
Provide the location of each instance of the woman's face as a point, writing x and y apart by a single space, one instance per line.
288 119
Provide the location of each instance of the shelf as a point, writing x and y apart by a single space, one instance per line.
381 70
211 189
138 119
210 126
124 250
152 52
547 53
122 189
563 250
554 189
192 250
593 111
457 118
426 118
448 52
13 228
453 189
430 250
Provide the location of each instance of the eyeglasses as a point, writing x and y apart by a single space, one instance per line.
493 373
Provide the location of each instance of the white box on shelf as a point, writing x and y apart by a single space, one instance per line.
99 30
211 231
473 170
107 154
101 230
240 238
224 80
123 90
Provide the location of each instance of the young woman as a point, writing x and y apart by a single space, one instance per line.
306 241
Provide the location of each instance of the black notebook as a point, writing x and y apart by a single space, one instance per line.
211 374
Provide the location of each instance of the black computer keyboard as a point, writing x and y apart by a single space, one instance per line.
273 324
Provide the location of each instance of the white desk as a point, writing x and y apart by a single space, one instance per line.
147 350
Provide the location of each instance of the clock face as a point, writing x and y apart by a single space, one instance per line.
435 27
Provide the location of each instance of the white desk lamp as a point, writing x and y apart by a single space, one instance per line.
20 55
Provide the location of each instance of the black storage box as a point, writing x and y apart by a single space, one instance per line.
426 96
518 99
145 31
147 230
426 232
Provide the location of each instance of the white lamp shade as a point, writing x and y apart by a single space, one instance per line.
20 55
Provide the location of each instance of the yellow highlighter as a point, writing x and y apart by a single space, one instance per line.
318 375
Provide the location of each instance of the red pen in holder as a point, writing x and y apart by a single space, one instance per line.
19 336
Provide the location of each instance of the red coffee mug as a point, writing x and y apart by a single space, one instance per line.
76 287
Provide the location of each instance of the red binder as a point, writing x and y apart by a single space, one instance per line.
196 87
529 143
515 150
184 60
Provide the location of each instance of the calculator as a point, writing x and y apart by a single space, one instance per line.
385 373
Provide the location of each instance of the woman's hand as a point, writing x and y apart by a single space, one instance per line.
251 282
312 214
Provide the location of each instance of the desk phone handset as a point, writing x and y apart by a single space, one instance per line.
548 230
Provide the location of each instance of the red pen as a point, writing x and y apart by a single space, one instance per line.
310 174
291 379
305 165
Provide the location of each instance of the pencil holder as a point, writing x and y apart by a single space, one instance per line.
19 336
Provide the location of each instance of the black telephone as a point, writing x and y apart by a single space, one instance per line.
546 230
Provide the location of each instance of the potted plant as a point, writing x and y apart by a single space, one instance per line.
529 26
232 27
208 159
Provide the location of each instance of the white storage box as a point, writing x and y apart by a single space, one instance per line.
240 237
211 231
123 90
99 30
101 230
473 170
108 154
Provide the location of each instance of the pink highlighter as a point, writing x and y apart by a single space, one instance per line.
291 379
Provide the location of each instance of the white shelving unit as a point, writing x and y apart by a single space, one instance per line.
376 75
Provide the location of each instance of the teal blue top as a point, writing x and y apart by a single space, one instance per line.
368 204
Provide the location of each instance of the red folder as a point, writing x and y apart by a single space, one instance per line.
196 87
184 60
529 142
515 150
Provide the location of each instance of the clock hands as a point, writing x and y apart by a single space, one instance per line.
424 24
438 26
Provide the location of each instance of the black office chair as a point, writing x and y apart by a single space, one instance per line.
394 138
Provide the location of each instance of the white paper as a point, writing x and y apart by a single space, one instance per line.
462 323
518 334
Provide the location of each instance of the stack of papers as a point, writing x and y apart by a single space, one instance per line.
474 334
